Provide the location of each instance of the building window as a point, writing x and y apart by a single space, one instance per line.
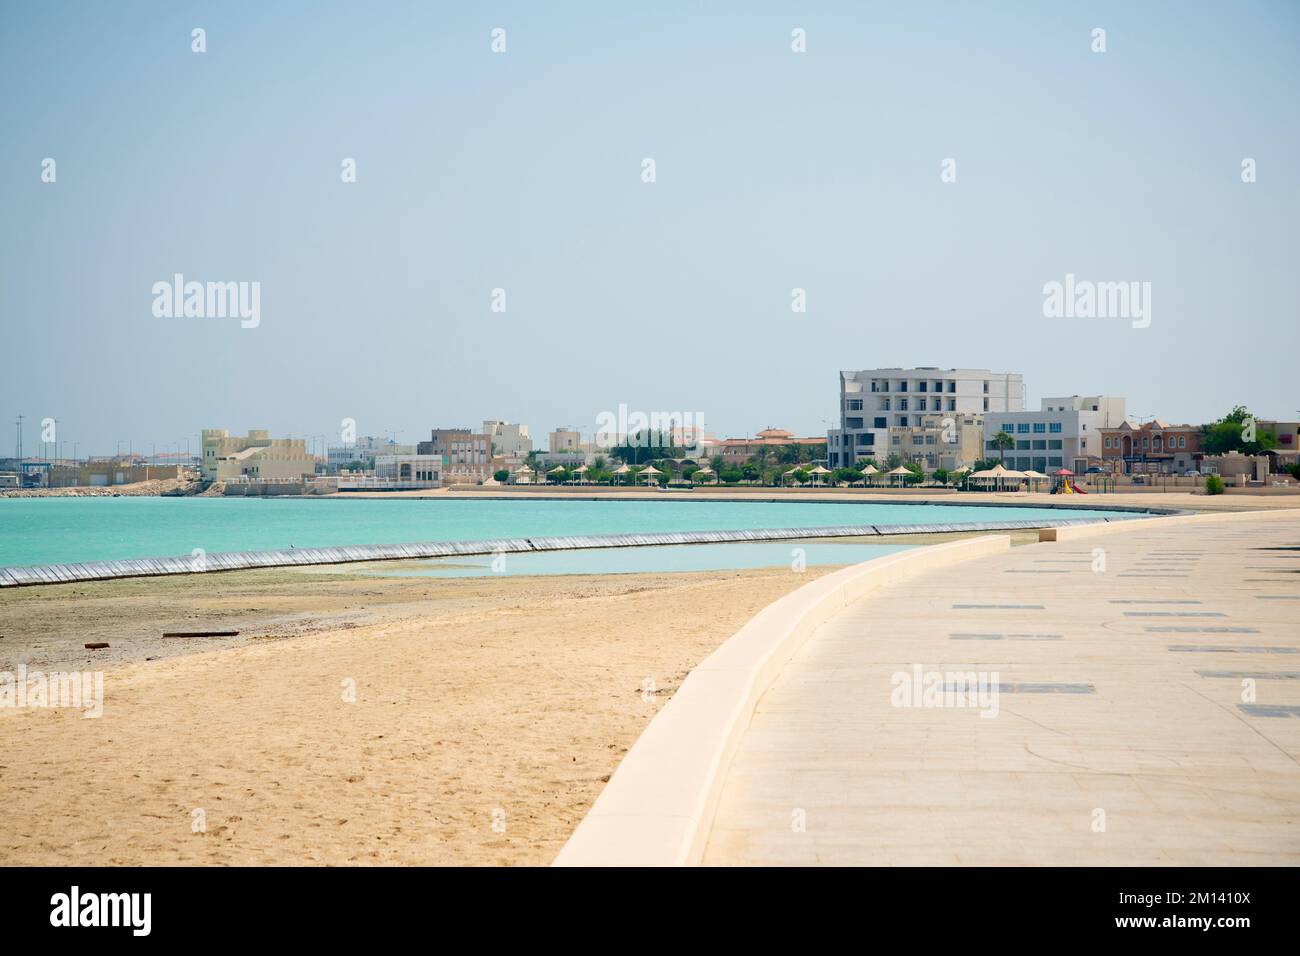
1022 444
1054 443
1054 428
1182 441
921 404
902 404
1039 428
855 404
902 386
1040 444
952 386
878 423
1022 428
952 404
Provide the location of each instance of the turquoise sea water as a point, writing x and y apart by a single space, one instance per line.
651 559
58 530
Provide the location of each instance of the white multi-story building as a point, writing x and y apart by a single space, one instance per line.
1110 409
874 400
363 449
1063 433
508 440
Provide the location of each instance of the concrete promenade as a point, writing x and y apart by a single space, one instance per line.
1148 712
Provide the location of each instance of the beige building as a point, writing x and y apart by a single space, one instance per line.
564 439
466 456
254 457
102 474
508 439
939 441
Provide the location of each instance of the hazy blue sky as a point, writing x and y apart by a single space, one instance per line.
522 171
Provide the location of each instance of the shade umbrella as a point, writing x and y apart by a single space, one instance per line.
900 471
870 471
580 470
649 470
622 469
818 471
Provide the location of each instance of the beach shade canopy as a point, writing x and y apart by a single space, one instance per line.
1063 473
819 470
704 470
1035 475
871 470
900 470
622 469
998 472
580 470
557 470
523 470
651 470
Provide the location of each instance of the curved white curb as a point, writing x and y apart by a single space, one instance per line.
659 805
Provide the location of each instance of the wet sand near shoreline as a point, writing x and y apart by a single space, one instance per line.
49 626
355 721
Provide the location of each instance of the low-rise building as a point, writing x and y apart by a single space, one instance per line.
363 449
1154 447
416 471
735 451
102 474
1063 433
466 456
254 457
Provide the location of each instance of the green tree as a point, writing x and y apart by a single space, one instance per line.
1213 485
941 476
502 475
1002 441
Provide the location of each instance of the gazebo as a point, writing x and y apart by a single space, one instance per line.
869 472
704 472
523 476
997 475
818 472
580 470
1035 477
647 471
900 471
622 469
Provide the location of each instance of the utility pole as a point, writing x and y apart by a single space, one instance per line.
18 453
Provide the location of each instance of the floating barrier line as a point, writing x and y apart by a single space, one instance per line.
247 560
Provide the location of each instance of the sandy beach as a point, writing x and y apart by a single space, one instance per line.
478 703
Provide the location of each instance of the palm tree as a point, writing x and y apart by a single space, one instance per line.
1002 441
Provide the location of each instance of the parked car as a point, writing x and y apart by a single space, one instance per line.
1191 473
